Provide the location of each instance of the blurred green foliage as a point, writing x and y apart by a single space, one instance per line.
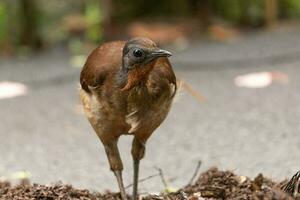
3 22
93 18
240 11
130 9
40 23
290 8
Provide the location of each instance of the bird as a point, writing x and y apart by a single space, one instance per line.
127 88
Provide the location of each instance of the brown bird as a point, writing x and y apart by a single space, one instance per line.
127 88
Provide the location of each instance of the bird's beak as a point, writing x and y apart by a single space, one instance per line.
161 53
156 53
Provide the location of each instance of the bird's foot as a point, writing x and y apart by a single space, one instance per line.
296 194
293 186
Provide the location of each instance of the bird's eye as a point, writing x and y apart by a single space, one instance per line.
138 53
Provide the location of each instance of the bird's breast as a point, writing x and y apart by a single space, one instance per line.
146 110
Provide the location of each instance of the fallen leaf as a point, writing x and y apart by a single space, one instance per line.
242 179
170 190
20 175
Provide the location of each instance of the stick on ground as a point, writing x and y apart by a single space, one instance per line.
162 177
143 179
195 173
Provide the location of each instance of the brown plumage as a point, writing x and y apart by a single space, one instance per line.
127 88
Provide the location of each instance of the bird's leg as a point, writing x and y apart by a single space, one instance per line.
118 174
137 151
136 164
116 165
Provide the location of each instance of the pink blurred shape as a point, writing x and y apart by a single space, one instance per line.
260 79
12 89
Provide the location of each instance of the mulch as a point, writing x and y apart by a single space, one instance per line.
212 184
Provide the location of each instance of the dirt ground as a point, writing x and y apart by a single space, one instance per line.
212 184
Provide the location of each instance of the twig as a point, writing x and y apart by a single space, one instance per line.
162 177
192 91
143 179
195 172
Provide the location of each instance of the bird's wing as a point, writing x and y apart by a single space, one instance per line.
163 75
100 64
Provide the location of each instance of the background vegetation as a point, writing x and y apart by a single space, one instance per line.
27 25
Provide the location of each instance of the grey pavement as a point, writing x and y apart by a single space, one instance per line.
245 130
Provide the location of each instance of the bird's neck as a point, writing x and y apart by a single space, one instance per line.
128 79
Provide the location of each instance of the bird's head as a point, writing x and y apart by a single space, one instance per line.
141 52
138 58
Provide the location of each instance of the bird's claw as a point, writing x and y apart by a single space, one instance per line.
296 194
293 186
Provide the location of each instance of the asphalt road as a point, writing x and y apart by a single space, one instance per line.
245 130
